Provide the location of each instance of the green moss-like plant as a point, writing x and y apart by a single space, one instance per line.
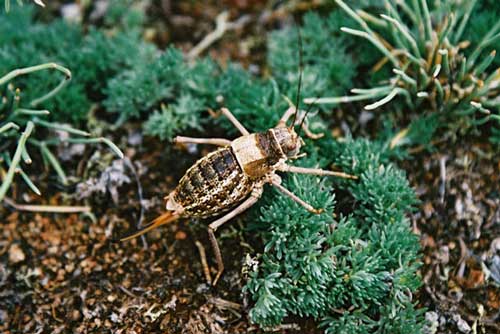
328 67
354 271
94 59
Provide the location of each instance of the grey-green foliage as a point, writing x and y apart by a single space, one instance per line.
125 14
328 67
175 117
355 272
484 16
257 103
187 90
94 58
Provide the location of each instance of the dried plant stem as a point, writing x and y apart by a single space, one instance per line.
47 208
204 263
222 25
225 304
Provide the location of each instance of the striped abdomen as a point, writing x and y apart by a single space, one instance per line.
214 184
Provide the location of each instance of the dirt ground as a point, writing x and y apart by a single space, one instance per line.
459 224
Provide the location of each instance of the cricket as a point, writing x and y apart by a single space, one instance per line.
231 179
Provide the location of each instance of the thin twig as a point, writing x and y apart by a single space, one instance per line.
442 175
222 25
131 166
47 208
204 263
225 304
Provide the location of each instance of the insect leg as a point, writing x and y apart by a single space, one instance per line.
235 122
210 141
254 197
288 113
309 133
314 171
295 198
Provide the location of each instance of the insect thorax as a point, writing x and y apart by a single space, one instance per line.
257 153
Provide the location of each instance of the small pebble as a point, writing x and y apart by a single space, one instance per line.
180 235
16 254
75 315
432 322
462 325
111 298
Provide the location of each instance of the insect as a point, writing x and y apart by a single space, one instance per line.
231 179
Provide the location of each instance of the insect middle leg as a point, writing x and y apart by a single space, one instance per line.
210 141
235 121
295 198
250 201
314 171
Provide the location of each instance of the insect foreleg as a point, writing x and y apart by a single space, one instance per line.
309 133
288 113
314 171
235 122
254 197
295 198
209 141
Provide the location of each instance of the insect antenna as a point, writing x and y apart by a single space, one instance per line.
305 116
301 68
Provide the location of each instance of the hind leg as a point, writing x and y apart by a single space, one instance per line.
209 141
250 201
235 122
314 171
